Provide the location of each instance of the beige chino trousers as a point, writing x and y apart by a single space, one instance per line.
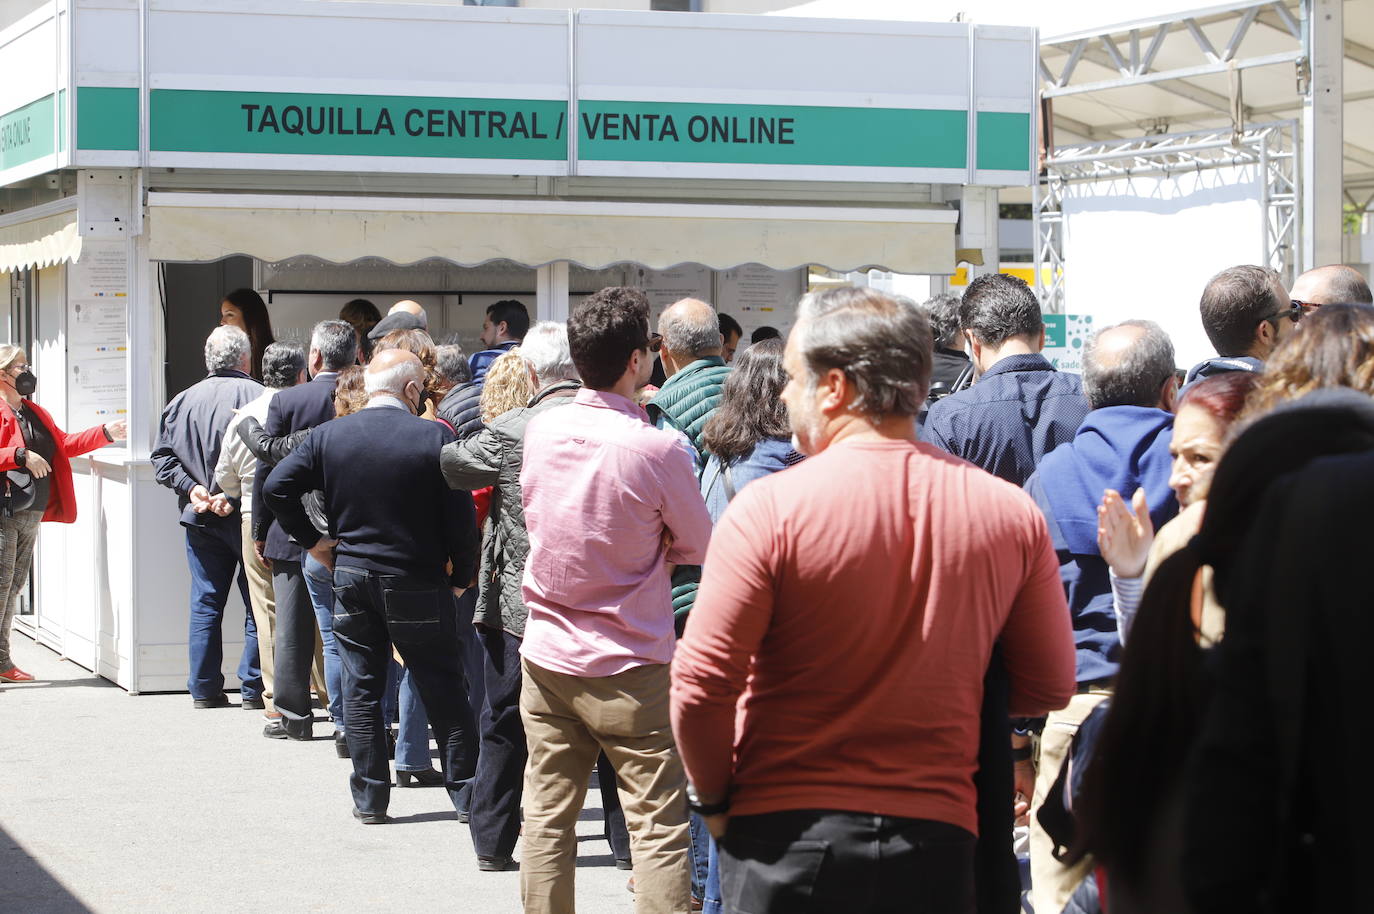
1052 883
568 721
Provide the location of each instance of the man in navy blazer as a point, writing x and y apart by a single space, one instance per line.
333 347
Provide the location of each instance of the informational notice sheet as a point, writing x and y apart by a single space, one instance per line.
758 296
98 334
663 287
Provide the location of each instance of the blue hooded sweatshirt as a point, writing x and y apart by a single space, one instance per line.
1117 447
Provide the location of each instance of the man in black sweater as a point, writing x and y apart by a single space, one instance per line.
333 347
400 538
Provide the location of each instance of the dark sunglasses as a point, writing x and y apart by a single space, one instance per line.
1293 312
1307 306
655 342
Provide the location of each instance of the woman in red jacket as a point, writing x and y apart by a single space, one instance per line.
31 441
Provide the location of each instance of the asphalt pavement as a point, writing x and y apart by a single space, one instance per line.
120 803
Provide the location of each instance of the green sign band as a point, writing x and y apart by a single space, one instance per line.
772 135
314 124
107 118
357 125
27 133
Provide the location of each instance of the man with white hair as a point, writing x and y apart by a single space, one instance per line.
493 457
400 544
188 445
696 369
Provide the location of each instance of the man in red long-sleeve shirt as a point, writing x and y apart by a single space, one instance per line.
853 601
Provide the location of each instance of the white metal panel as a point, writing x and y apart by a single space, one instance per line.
106 36
28 60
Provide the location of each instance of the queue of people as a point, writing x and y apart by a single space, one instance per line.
839 621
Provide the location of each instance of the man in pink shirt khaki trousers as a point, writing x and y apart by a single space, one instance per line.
826 692
611 504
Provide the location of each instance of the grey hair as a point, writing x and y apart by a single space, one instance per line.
545 349
282 364
881 344
943 313
226 348
336 342
689 337
393 380
452 363
1136 378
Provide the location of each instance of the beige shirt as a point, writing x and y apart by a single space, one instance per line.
237 466
1172 537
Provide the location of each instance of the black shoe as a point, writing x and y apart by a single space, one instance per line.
340 744
495 864
427 778
273 729
370 818
253 704
302 730
219 701
623 863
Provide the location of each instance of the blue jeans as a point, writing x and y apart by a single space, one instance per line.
711 902
213 558
319 582
412 737
698 854
372 613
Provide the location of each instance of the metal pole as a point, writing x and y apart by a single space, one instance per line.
1323 133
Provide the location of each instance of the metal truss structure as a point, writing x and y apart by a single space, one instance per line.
1272 147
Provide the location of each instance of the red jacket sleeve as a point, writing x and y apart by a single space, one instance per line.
74 445
10 440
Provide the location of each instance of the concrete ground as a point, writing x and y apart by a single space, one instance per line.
114 803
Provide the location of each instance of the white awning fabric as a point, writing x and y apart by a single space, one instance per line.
191 227
40 242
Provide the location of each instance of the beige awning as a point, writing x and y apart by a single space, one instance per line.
207 227
40 242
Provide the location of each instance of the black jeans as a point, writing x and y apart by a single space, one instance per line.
373 612
293 647
500 781
815 860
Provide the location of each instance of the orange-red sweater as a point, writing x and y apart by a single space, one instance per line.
848 607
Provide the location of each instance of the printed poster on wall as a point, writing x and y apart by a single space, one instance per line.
1065 337
97 334
758 296
663 287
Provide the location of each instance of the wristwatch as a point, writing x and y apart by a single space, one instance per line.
21 456
705 809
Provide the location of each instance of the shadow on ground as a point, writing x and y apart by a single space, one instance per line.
29 887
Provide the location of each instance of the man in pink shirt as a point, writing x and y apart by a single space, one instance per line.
611 503
853 602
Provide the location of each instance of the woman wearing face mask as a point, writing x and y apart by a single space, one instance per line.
32 445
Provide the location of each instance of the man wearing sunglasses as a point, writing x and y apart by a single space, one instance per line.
1246 312
1335 284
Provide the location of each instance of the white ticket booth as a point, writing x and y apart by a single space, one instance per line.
451 154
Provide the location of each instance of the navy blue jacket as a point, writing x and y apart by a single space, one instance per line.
1210 368
461 408
388 506
1118 447
189 438
290 410
1019 410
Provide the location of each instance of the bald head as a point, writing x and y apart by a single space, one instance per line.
1335 284
1130 364
690 331
396 373
411 307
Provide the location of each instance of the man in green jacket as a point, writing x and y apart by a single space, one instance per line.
696 371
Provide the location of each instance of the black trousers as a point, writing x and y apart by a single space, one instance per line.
996 873
419 617
293 646
500 780
814 861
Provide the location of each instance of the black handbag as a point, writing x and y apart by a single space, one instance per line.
19 491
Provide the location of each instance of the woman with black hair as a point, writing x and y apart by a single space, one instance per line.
1137 801
245 309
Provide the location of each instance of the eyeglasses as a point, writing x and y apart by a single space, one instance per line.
1293 312
655 342
1307 306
